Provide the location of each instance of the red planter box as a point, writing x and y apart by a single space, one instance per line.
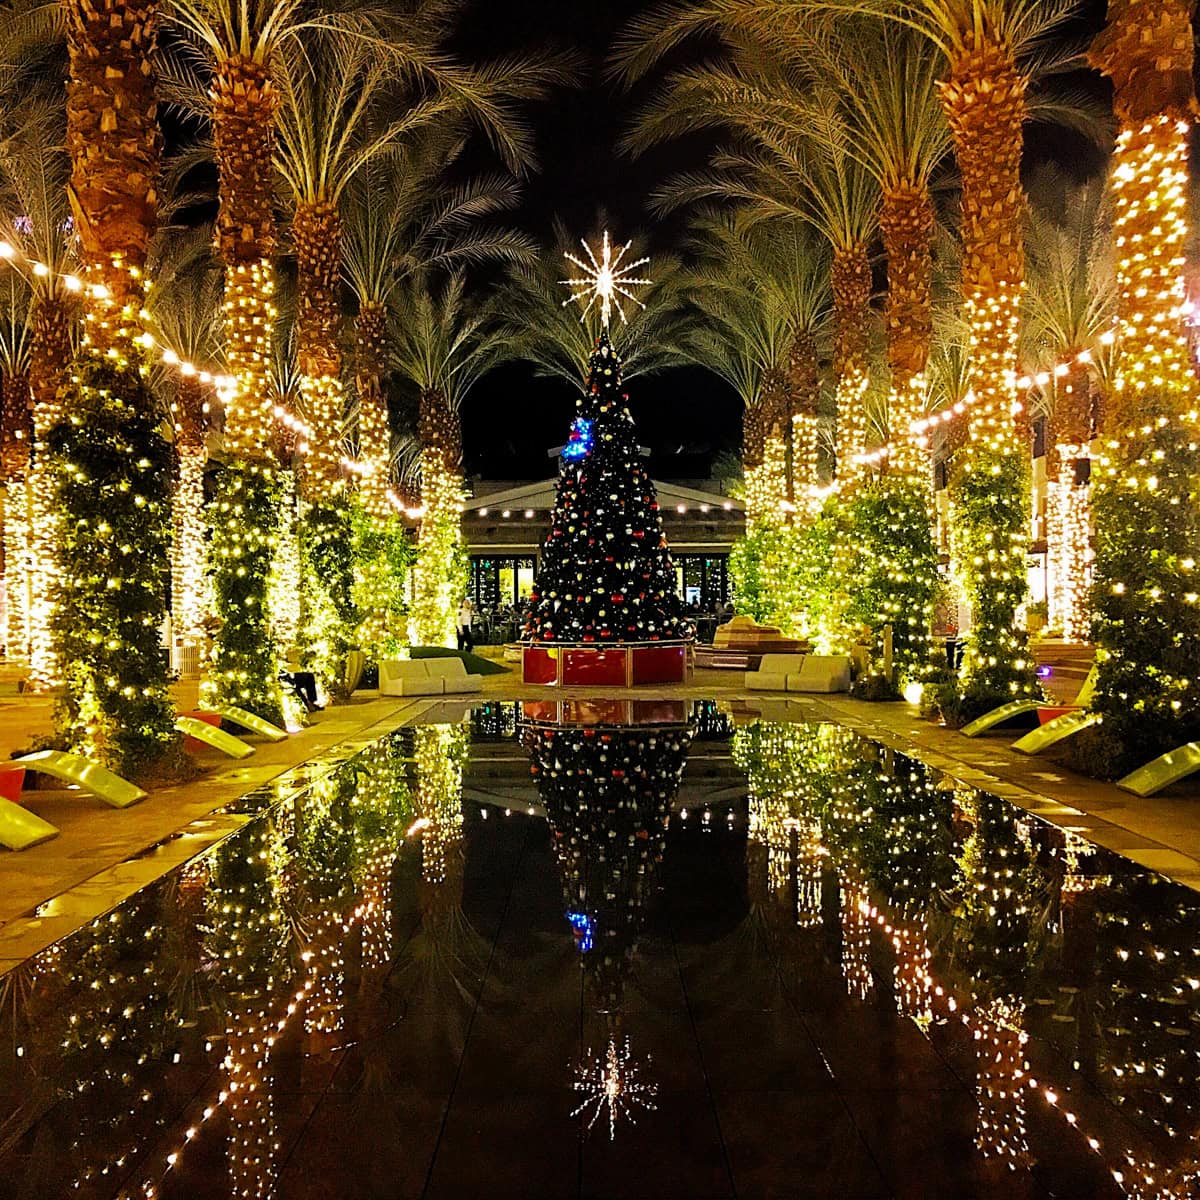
12 779
594 668
605 666
659 664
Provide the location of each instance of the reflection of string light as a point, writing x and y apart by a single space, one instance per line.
610 1083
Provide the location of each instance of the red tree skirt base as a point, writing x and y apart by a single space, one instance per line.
638 665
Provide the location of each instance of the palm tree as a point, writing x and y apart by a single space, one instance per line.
36 170
806 171
401 215
1068 312
1147 517
184 311
886 78
992 49
1147 51
442 344
334 119
762 292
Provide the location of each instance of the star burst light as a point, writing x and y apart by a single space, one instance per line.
605 280
611 1083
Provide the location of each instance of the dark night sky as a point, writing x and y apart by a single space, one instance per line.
685 416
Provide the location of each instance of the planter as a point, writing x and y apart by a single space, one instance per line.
630 664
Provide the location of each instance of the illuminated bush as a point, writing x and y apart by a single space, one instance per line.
112 475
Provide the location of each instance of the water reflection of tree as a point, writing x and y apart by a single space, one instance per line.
91 1030
607 794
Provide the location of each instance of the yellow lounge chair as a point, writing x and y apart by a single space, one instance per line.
1053 732
20 829
247 720
1161 772
86 775
1015 708
212 736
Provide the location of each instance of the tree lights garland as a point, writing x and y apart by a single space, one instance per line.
1068 542
245 527
112 474
329 618
1146 597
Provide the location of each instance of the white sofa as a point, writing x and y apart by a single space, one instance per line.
426 677
773 671
800 673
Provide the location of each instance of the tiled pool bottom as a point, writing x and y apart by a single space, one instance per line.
675 960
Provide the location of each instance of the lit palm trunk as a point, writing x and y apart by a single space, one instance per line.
851 304
246 508
114 143
907 223
984 102
1147 51
187 549
765 425
1068 509
1147 518
244 103
50 353
374 436
804 387
16 436
436 582
316 238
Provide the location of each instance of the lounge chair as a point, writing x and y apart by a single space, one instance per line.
1055 731
1161 772
86 775
247 720
1017 708
19 828
214 736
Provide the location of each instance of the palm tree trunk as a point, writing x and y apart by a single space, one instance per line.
1068 508
984 102
115 146
188 591
985 106
374 435
907 223
851 306
766 480
436 585
49 354
317 240
244 104
16 438
1147 515
804 385
1147 51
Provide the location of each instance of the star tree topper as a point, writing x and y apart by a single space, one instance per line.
604 280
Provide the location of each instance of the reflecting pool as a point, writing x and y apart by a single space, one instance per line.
618 949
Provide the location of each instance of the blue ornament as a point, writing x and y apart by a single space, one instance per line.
579 441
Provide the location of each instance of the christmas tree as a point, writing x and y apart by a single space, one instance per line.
606 574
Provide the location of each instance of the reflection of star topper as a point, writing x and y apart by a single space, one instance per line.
604 280
612 1083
